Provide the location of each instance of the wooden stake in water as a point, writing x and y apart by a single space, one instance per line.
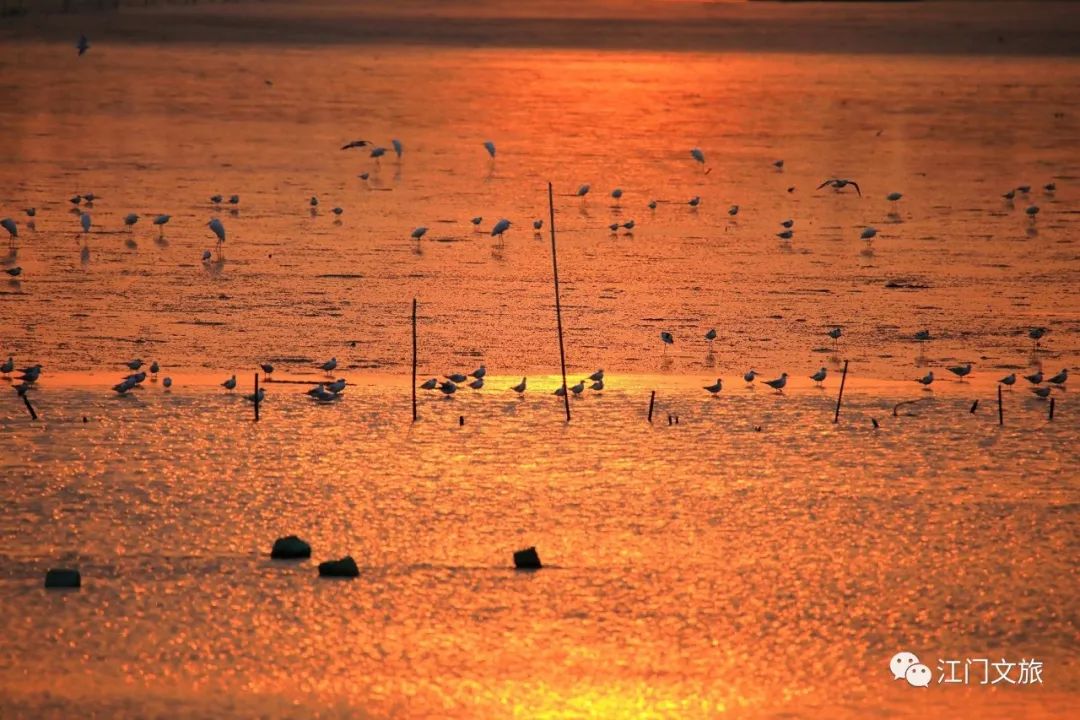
652 400
1051 409
843 379
1001 412
33 415
414 359
256 397
558 306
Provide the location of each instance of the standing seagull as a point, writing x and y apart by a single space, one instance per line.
329 365
267 368
583 191
961 370
711 335
777 384
1060 378
868 234
733 210
714 389
84 220
1009 379
1043 392
1035 378
520 387
694 201
819 376
229 384
749 377
161 221
667 338
894 197
835 334
8 366
926 380
1036 334
131 219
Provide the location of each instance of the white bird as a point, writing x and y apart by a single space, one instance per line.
130 219
819 376
1060 378
490 147
733 210
694 201
961 370
583 190
456 378
787 223
229 384
777 384
868 234
579 388
598 375
477 383
218 229
1035 378
84 220
1042 392
329 365
398 147
500 227
134 364
479 372
537 224
714 389
697 155
448 388
894 196
750 375
418 233
429 384
520 387
256 396
926 379
1009 379
8 366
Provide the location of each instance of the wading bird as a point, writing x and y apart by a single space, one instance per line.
714 389
839 184
777 384
355 144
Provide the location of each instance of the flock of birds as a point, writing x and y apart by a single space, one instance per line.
329 391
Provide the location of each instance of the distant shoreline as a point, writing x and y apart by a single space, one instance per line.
761 26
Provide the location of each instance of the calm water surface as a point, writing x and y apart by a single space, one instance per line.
704 569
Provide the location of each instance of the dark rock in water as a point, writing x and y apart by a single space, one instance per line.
345 567
290 548
63 578
527 559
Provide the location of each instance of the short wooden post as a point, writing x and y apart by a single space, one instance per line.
256 397
652 401
1001 411
843 379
